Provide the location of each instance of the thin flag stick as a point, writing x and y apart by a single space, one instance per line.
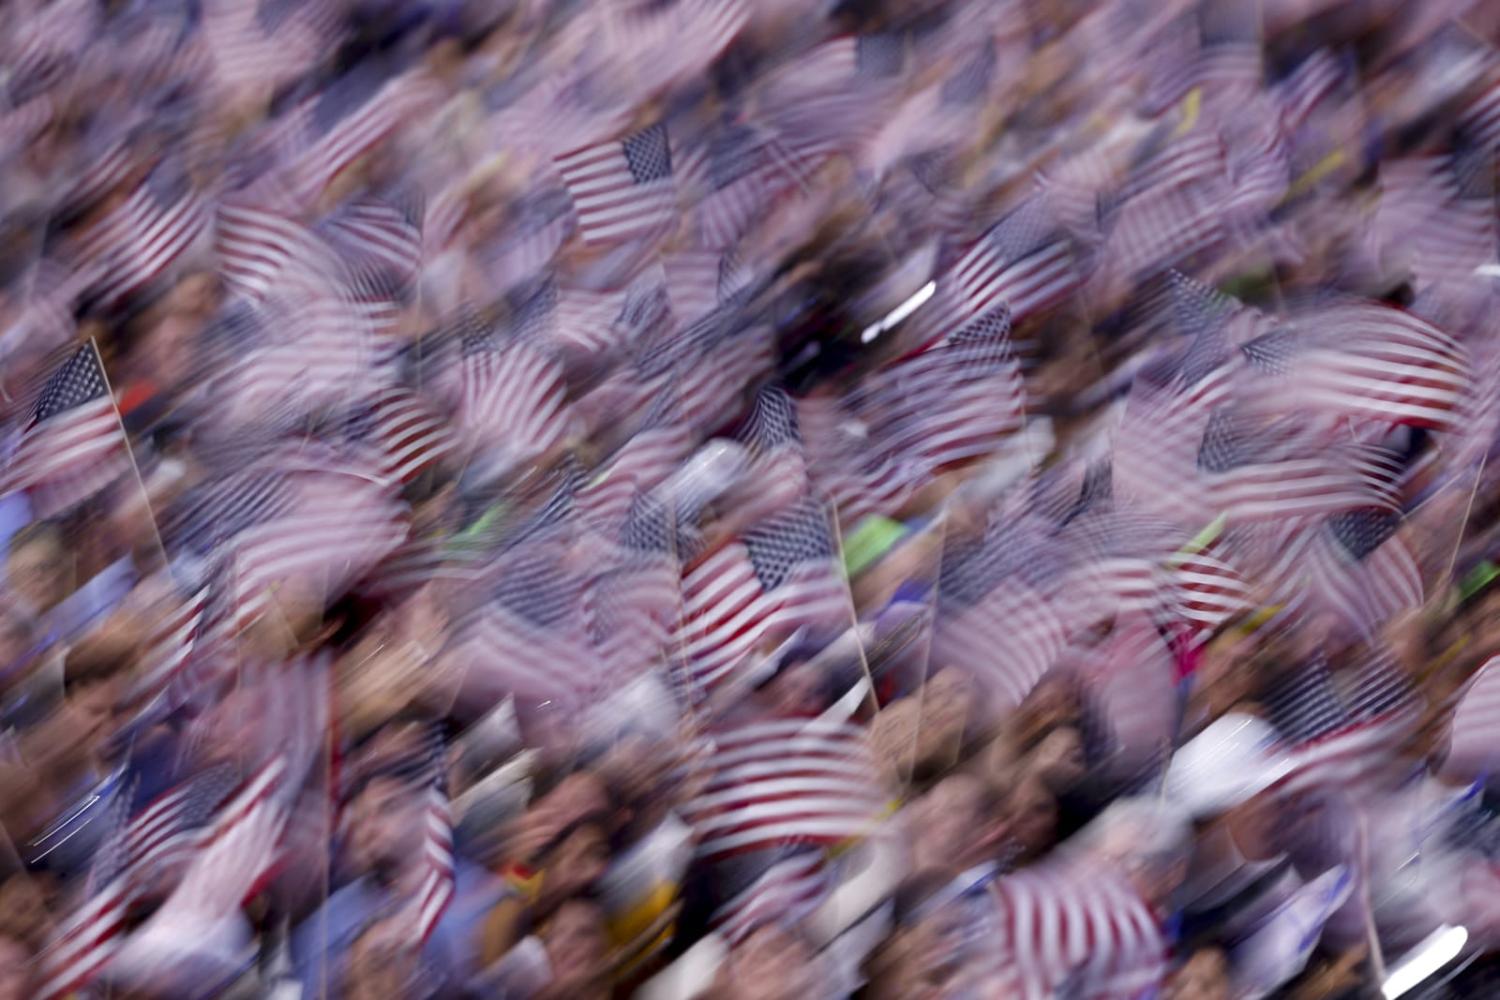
130 453
859 642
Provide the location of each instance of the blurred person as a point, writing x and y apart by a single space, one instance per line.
72 770
931 941
1226 779
384 963
15 969
577 947
24 913
1204 976
1147 840
572 864
383 855
1031 815
773 962
957 825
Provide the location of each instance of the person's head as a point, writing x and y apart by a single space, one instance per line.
37 566
385 825
923 952
577 942
773 962
23 910
1058 760
956 824
1204 976
1227 777
798 689
17 636
15 969
95 674
576 859
382 962
1031 816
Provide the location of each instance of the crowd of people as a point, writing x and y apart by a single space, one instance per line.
749 499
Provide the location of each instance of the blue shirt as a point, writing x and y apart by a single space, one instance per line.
321 942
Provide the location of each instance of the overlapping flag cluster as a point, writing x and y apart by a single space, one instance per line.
588 334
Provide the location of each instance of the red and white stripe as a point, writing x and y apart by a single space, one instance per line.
610 203
785 782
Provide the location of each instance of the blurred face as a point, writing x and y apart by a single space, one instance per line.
14 962
1204 977
951 824
1253 825
382 963
36 571
1058 759
579 860
1033 817
773 964
90 709
576 943
23 911
796 691
385 825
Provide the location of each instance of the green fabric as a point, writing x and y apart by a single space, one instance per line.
869 541
1478 578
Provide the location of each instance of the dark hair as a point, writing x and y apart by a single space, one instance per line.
95 661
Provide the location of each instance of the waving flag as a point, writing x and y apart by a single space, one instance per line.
772 784
147 234
1382 364
436 888
954 402
1023 264
1081 934
779 575
73 446
789 890
624 188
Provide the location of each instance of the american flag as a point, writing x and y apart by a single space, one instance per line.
744 174
1380 363
858 478
170 646
994 618
779 575
789 890
1471 746
86 939
1081 933
531 639
778 468
172 828
239 849
345 121
338 525
73 446
784 782
632 608
953 402
409 435
624 188
256 245
155 227
226 856
1024 264
512 394
436 888
1307 86
263 44
658 446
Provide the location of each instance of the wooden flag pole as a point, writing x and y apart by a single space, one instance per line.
130 453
